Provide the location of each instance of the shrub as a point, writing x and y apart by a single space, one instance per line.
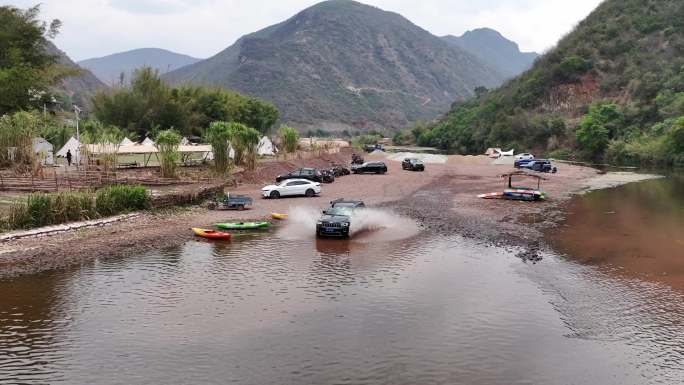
572 67
290 139
219 135
51 209
118 199
167 143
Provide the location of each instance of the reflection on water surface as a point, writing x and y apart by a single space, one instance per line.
266 309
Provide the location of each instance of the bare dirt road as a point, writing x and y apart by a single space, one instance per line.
443 198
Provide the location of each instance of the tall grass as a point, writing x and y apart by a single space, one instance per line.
51 209
167 143
118 199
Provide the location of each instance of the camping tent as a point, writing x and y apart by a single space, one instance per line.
231 153
44 150
266 147
148 142
72 145
184 142
126 142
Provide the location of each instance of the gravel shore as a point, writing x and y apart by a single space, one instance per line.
442 199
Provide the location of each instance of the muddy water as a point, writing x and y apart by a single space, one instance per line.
637 230
284 308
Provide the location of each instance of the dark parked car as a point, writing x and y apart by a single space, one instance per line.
522 163
336 220
311 174
413 164
370 168
540 165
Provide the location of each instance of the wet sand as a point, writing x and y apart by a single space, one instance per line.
442 199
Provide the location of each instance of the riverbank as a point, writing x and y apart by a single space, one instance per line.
442 199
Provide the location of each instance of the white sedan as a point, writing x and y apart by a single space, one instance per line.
292 187
524 157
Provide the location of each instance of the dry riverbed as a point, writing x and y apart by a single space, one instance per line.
442 199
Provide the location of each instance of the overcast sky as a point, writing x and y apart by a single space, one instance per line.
201 28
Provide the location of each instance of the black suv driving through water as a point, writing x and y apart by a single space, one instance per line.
336 220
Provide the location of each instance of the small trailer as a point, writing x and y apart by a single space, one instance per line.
227 202
519 193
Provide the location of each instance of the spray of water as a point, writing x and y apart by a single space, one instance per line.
367 225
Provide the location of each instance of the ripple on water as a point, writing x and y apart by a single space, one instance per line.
274 309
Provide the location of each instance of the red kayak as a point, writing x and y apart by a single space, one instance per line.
211 234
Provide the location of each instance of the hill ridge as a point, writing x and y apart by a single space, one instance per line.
321 68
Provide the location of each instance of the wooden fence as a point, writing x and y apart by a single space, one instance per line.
78 180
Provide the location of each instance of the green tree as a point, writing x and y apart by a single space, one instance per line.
258 114
595 128
245 141
289 137
219 134
676 138
16 138
167 143
27 71
149 103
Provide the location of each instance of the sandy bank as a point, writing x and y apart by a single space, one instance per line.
442 199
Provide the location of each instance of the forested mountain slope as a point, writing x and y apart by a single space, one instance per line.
612 89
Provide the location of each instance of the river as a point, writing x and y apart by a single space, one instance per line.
280 307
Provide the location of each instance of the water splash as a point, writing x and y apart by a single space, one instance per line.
367 225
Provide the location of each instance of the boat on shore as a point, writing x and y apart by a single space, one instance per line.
211 234
242 226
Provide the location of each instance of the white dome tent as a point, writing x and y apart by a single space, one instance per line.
266 147
71 145
45 150
126 142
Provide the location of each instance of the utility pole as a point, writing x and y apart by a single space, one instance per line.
77 111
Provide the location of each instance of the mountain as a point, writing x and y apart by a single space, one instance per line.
345 65
611 90
491 47
79 88
109 68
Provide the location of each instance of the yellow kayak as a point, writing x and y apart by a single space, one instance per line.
279 216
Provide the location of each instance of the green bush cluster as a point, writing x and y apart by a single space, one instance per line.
149 104
55 208
118 199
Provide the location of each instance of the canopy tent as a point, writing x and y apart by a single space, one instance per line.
44 150
71 145
266 147
147 142
126 142
147 151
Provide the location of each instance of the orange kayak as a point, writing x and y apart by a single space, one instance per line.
279 216
210 234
